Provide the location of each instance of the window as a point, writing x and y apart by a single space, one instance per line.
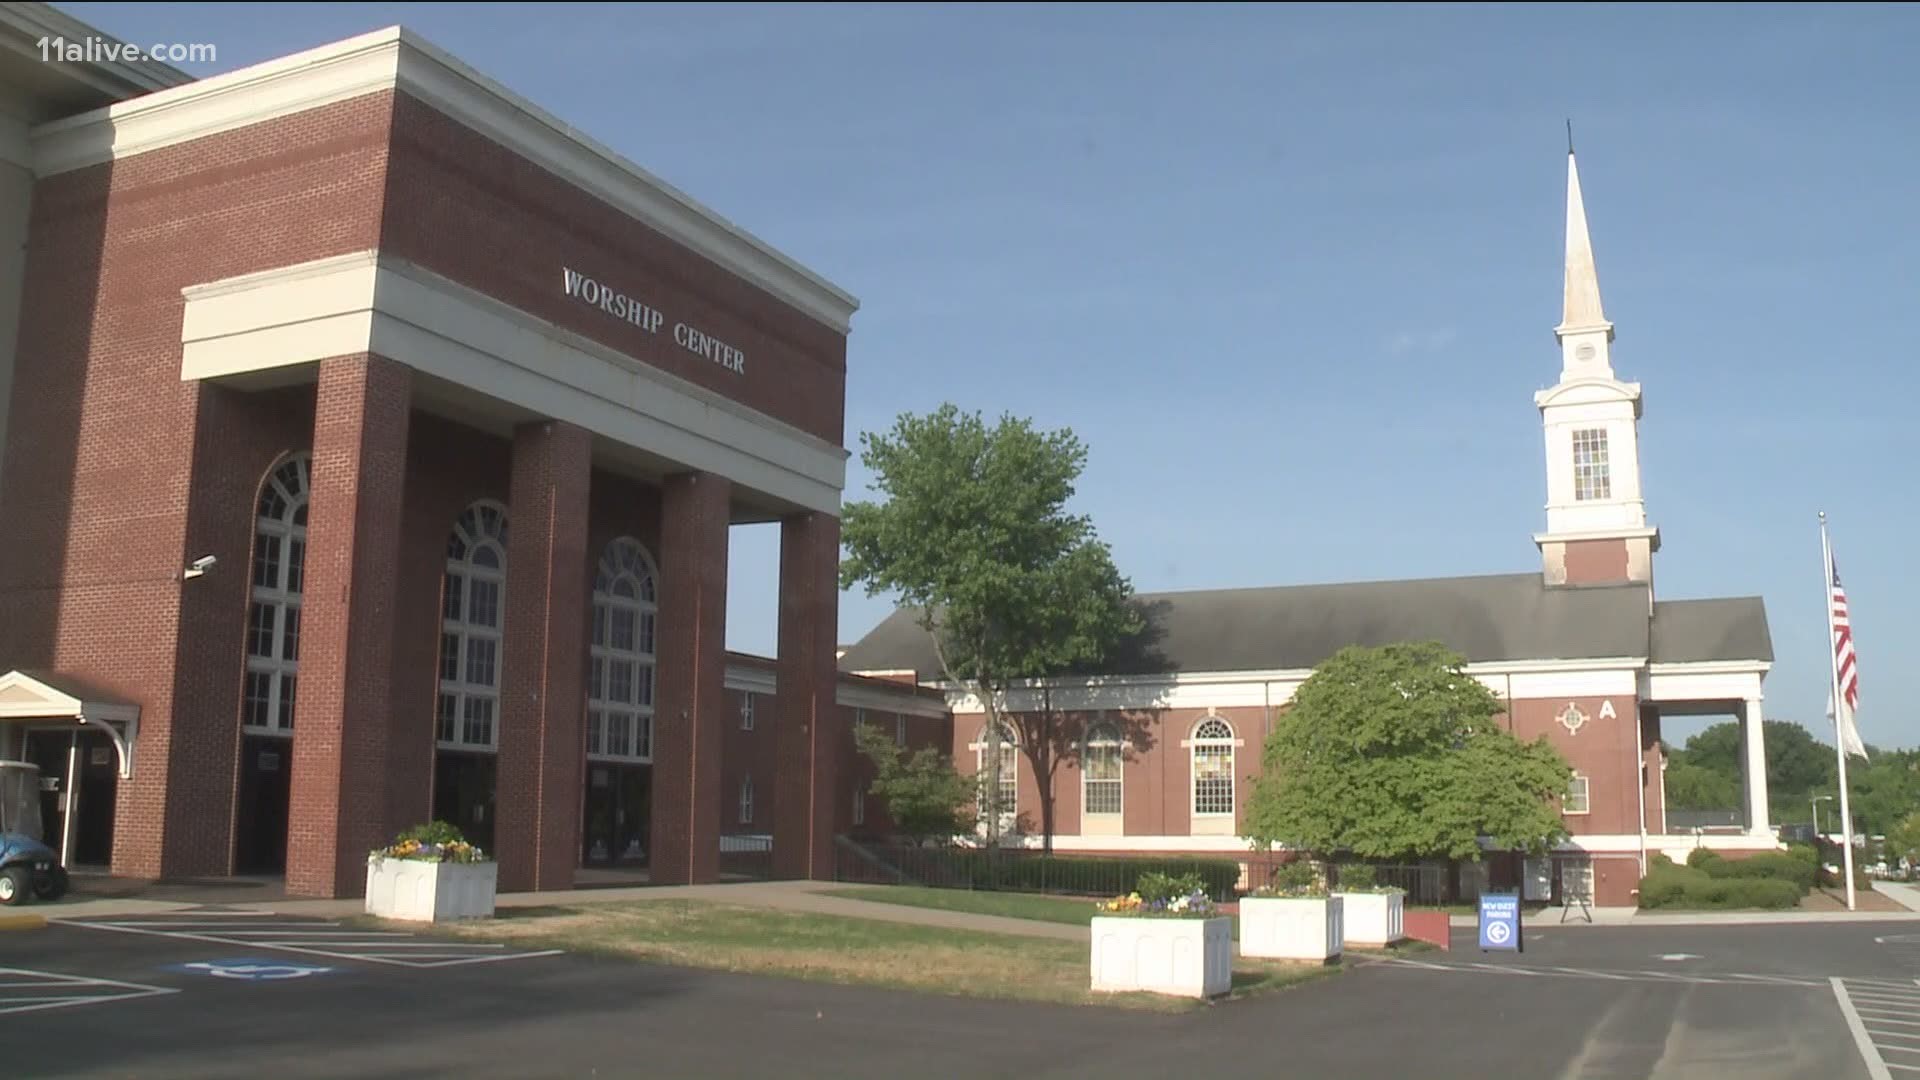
899 729
621 655
859 804
746 801
273 615
470 619
1100 773
746 711
1576 801
1009 778
1212 768
1591 479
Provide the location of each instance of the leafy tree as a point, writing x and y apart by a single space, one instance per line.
1395 752
1696 787
926 798
975 537
1903 840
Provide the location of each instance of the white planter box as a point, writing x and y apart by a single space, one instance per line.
1183 957
1376 919
1291 928
430 892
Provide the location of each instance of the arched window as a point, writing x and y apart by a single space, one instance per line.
1009 798
1212 745
1100 770
620 676
273 616
472 609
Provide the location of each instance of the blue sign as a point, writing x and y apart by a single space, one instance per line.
1500 921
253 969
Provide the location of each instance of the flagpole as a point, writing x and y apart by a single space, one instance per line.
1839 741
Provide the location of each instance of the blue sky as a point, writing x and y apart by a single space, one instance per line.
1292 272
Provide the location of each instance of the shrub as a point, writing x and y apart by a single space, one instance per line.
1769 864
1703 859
1156 886
1296 877
1806 853
1691 887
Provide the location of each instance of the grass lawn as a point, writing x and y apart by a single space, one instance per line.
833 949
1072 910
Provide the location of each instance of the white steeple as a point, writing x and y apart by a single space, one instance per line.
1597 529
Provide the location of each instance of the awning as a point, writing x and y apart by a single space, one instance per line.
39 695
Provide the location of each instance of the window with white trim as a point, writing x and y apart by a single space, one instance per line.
621 654
273 614
746 711
859 804
472 612
1591 477
1009 797
1100 770
1576 801
899 729
746 801
1212 768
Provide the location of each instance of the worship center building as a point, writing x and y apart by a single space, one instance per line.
1580 650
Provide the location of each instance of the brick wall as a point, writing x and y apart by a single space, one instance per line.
471 210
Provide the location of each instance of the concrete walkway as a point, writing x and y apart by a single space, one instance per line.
1907 896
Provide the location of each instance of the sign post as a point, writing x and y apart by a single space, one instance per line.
1500 922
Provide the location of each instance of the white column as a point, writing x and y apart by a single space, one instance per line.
1755 773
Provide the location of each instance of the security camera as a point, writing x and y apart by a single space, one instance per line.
200 566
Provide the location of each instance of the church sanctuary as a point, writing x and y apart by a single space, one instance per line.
371 443
1579 649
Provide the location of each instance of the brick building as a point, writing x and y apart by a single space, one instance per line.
372 440
1581 650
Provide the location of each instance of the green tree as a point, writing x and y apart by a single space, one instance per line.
1696 787
1395 752
1903 841
926 798
975 538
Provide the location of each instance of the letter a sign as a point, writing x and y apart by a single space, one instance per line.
1606 709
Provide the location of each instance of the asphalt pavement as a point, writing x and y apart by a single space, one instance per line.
253 995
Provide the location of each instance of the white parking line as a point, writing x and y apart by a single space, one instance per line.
338 938
51 980
1714 979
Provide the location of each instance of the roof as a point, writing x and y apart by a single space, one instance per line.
75 687
1486 618
1489 618
1692 631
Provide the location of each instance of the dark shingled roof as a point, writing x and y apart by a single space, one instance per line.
1489 618
1696 630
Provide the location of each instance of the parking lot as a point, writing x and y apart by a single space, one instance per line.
214 992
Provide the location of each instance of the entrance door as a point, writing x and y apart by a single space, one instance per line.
617 822
95 794
48 749
266 782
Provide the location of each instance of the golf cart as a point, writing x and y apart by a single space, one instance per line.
28 867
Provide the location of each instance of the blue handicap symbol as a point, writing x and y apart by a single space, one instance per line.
253 969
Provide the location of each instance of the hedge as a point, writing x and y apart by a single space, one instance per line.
1670 886
1013 871
1775 865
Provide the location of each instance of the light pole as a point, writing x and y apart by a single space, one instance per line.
1815 803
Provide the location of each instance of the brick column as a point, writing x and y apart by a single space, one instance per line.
543 669
689 701
809 735
343 714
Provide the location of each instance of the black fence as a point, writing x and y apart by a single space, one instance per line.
1016 870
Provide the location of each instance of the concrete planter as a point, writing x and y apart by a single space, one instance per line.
1181 957
1374 919
1292 928
419 891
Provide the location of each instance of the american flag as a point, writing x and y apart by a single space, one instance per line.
1849 677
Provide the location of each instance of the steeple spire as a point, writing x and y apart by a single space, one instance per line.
1582 311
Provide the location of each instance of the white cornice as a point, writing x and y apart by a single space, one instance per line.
758 680
1641 533
1711 667
397 59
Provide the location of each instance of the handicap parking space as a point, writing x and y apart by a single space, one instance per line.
294 936
1884 1015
